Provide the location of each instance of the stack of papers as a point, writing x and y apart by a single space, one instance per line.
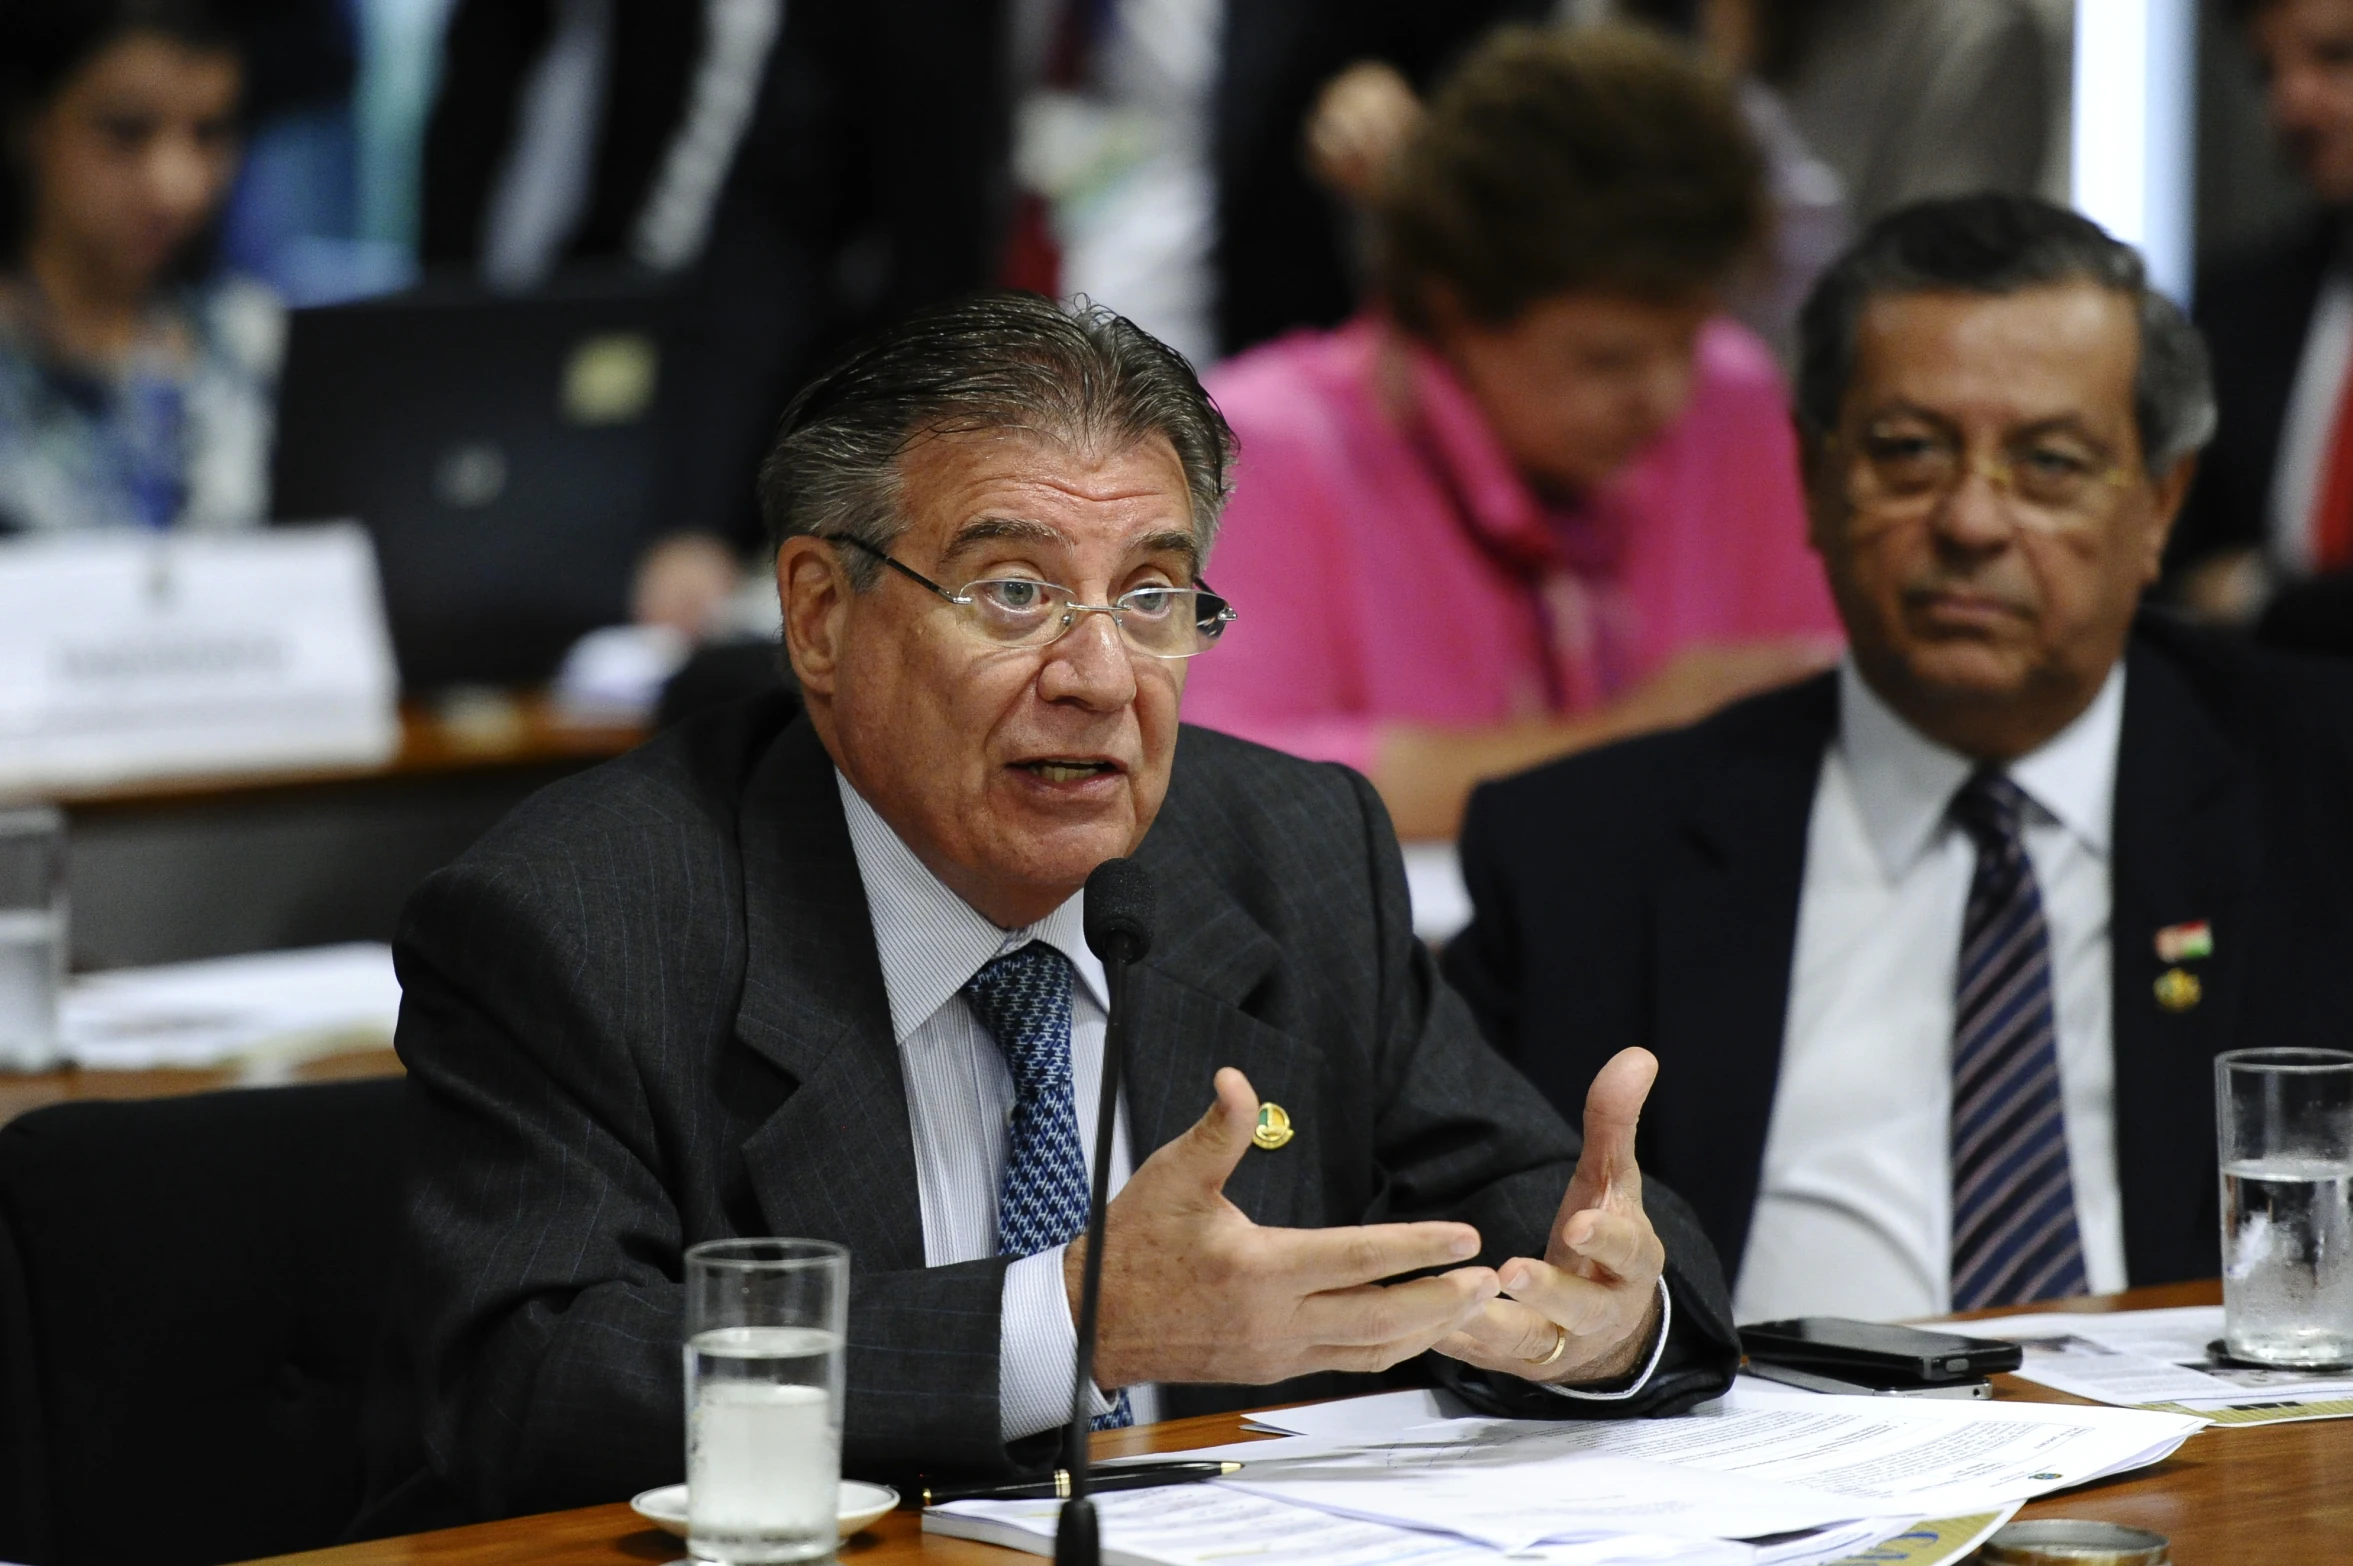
2162 1359
1765 1475
272 1008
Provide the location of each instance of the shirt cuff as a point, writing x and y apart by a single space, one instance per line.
1658 1348
1037 1349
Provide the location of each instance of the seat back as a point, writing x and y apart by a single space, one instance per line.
190 1291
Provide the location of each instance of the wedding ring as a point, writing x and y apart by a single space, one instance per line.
1560 1346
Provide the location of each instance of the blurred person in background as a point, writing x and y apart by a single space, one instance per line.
812 171
133 393
607 134
2272 510
1157 154
1366 112
1545 495
1904 99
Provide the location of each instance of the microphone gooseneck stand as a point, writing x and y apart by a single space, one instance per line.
1119 932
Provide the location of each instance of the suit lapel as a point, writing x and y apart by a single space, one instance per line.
814 1006
2187 848
1208 959
1723 937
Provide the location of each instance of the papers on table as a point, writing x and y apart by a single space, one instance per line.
1758 1476
2160 1359
269 1009
1210 1525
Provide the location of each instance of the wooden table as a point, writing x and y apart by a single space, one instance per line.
37 1090
166 869
2279 1495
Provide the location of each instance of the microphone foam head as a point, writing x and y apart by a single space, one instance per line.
1119 910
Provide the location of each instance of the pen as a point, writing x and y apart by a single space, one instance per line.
1136 1476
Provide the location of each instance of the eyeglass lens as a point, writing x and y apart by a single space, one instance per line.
1162 622
1901 467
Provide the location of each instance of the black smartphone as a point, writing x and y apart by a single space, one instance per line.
1877 1353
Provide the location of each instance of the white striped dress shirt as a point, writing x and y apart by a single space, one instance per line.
960 1101
1854 1207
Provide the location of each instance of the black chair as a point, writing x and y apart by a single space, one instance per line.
190 1291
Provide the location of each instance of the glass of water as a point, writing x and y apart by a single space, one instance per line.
2285 1118
765 1321
32 935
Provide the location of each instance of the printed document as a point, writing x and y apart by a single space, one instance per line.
1209 1525
1774 1463
2162 1359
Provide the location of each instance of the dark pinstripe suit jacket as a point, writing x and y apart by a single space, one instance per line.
646 1011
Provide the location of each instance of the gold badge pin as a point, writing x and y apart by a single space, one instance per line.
1274 1127
2178 989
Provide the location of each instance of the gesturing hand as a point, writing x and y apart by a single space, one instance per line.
1194 1291
1594 1296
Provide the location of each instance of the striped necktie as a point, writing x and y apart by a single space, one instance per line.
2014 1233
1023 999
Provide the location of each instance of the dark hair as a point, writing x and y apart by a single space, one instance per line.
990 361
45 44
1553 161
2000 244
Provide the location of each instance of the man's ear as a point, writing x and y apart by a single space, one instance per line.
2165 509
814 590
1826 502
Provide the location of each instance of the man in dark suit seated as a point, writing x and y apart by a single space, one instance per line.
2273 503
1936 951
826 978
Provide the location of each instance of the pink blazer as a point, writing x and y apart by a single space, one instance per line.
1390 571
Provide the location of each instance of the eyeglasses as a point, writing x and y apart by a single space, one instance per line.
1019 611
2055 483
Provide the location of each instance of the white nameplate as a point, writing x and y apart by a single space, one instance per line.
132 655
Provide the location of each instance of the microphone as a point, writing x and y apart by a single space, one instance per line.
1119 931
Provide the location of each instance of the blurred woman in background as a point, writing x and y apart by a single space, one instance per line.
1544 496
132 392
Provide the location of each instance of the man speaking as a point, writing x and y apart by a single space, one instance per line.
826 978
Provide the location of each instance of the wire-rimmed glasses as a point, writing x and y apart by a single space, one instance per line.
1159 621
2055 482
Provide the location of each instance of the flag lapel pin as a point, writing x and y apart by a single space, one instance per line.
2185 942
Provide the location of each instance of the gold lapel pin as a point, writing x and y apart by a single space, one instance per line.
2178 989
1273 1129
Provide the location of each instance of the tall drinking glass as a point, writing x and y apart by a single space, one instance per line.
765 1321
2285 1119
32 935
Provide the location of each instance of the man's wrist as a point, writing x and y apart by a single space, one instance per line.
1037 1347
1604 1392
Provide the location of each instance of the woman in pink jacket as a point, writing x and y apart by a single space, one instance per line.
1544 496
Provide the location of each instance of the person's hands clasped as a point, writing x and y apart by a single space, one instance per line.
1194 1291
1589 1310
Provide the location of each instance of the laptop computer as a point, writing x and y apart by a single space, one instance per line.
503 452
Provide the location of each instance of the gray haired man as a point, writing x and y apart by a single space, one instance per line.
827 978
1936 950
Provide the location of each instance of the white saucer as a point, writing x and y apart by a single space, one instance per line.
860 1504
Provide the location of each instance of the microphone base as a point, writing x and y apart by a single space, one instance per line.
1077 1541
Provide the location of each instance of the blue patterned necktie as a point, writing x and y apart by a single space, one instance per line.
1023 999
2014 1232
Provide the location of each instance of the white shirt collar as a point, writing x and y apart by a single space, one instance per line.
1904 781
929 939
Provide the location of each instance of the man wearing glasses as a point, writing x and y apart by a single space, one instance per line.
1936 950
828 979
